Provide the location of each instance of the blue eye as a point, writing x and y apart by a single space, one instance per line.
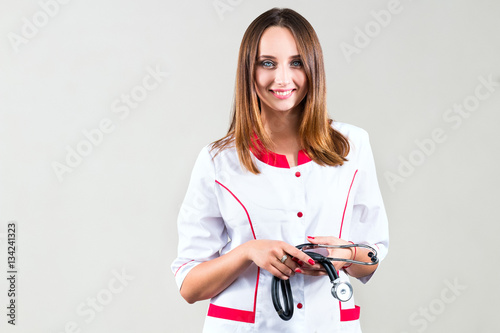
297 63
267 64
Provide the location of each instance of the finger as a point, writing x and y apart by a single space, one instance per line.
300 255
290 262
278 273
312 272
284 269
299 263
279 269
316 267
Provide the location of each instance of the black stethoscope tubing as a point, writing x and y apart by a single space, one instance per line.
286 312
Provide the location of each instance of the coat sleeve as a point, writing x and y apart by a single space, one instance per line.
202 232
369 223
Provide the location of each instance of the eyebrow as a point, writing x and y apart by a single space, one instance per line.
273 57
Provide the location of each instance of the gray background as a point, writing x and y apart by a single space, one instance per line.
116 211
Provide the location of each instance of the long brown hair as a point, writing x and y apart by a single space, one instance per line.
322 143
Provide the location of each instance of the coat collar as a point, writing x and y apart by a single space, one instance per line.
274 159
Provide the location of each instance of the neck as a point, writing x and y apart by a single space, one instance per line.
283 129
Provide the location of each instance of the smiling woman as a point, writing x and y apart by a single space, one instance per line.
280 78
281 85
283 171
278 46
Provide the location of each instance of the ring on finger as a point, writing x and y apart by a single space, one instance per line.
284 258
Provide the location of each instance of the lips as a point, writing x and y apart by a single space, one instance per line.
283 93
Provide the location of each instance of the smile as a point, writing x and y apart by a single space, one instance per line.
282 94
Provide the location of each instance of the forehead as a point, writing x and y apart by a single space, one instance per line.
277 41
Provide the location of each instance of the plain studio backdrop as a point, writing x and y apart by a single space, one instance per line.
105 105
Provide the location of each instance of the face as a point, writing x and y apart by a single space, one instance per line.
280 79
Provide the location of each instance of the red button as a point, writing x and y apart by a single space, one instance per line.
297 174
299 306
299 214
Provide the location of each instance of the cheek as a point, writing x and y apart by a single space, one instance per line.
262 79
302 80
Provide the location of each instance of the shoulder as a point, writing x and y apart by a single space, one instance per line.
218 159
359 140
353 133
218 153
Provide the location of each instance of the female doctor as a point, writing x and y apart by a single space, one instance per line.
284 174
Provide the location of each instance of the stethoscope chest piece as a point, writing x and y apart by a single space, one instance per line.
342 290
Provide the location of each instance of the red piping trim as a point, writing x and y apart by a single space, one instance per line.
255 296
248 216
231 314
349 314
235 314
345 207
182 266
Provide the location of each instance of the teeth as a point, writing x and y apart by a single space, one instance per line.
283 93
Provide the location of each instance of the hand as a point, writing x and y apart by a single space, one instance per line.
317 269
267 254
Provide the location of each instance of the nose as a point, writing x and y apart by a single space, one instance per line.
282 76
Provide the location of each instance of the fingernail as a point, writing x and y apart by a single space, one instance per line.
300 262
310 237
311 261
295 259
297 270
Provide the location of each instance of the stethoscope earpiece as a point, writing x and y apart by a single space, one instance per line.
373 257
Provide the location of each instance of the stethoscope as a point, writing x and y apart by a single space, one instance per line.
341 290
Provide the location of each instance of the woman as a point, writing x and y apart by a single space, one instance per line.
285 174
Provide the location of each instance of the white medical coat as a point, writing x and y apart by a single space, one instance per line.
226 205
